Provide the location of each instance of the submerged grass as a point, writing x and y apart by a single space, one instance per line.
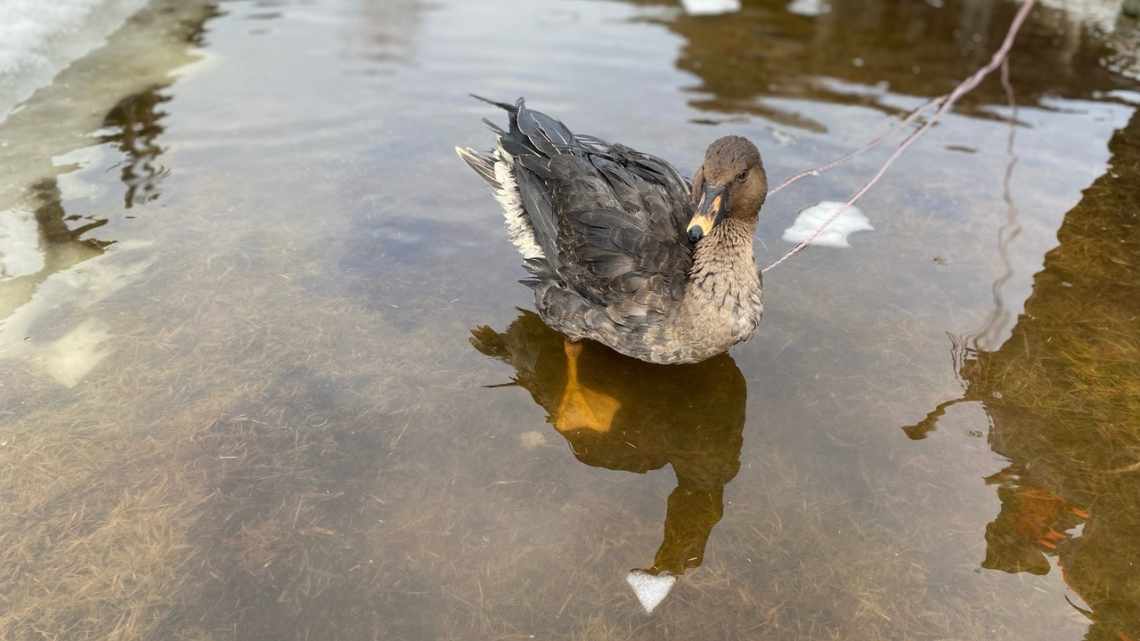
261 456
269 480
94 531
135 522
223 474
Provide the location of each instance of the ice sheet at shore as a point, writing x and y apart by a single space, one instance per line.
38 38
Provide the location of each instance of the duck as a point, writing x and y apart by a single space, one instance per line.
620 248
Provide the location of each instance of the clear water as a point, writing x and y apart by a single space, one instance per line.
266 373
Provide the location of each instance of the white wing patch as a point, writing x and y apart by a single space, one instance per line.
519 229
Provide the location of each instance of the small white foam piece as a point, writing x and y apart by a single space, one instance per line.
651 589
809 7
710 7
849 221
19 244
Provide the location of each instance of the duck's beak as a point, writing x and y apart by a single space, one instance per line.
710 211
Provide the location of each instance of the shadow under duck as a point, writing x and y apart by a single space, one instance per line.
621 249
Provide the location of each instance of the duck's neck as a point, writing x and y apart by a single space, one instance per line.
722 298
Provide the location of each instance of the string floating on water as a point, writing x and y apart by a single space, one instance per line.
871 144
944 104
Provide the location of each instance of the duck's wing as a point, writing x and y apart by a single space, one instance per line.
609 220
621 233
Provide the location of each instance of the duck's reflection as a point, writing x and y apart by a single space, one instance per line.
1062 394
623 414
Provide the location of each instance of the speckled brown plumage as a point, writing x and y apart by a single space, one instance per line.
607 231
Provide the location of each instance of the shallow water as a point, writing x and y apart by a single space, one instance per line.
266 375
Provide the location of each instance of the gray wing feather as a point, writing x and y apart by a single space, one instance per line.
610 220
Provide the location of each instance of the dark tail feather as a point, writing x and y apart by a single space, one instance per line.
499 131
502 105
514 111
534 129
532 139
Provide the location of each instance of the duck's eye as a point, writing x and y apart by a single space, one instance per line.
741 177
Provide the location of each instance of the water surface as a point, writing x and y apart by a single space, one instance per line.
268 373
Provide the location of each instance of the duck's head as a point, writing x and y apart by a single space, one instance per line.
730 184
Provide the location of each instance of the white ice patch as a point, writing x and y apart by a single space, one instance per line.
651 589
38 38
809 7
850 220
710 7
19 244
